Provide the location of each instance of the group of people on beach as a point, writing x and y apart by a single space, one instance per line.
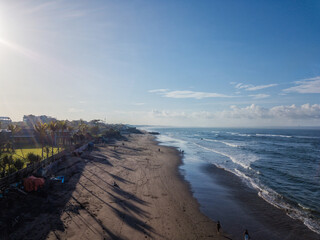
246 235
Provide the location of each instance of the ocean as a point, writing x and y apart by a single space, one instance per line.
283 165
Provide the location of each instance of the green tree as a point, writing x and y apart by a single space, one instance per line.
47 150
63 127
33 158
70 130
14 130
18 163
41 129
53 127
8 164
82 127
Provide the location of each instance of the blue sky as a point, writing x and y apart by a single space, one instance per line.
181 63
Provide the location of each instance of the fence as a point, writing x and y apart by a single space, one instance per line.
25 172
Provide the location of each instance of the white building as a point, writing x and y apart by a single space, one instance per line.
5 120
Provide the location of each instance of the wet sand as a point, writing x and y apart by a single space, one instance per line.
127 190
225 197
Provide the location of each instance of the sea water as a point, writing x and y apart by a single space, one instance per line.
283 165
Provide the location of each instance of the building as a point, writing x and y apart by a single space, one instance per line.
31 120
5 120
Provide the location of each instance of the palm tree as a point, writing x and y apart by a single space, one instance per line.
70 129
53 127
94 130
75 138
47 150
41 129
59 135
14 129
82 129
63 126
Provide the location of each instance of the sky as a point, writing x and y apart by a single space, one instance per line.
174 63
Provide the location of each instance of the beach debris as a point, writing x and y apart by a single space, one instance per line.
58 178
15 221
33 183
41 172
21 191
90 146
16 184
159 149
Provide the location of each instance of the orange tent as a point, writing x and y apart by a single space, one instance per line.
32 183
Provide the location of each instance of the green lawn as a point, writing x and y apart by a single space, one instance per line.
22 153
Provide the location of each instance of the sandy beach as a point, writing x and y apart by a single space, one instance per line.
130 189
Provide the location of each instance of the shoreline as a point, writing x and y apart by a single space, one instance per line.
127 190
131 190
225 197
215 194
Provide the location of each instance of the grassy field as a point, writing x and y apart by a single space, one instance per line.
22 153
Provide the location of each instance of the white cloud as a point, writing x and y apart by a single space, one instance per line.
250 87
235 116
158 90
168 114
192 94
310 85
254 88
241 86
188 94
305 111
259 96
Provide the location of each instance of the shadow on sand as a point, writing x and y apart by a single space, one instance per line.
36 215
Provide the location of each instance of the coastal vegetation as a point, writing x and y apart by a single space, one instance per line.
28 142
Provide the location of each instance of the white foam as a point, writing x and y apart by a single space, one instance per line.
233 159
272 135
170 141
226 143
240 134
304 207
275 199
301 213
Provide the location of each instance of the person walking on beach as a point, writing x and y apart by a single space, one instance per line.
218 226
246 235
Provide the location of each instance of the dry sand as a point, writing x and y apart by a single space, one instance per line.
150 201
